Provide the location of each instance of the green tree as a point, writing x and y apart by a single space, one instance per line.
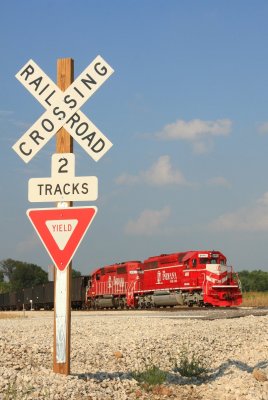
254 281
75 273
7 267
21 274
5 287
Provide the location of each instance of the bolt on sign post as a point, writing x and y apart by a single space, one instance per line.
61 229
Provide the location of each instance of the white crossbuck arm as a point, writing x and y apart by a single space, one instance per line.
62 109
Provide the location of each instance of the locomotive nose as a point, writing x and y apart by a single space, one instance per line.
216 273
216 268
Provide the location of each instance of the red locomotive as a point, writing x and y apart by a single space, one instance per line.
190 278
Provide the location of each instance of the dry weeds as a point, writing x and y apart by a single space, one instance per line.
255 299
8 315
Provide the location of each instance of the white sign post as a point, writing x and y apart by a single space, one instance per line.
60 231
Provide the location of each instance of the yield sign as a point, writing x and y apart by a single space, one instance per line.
61 230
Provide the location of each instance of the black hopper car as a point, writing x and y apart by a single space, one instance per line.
42 296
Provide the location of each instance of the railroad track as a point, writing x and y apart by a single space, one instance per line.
182 312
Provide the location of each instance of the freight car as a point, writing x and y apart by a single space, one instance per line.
190 278
42 296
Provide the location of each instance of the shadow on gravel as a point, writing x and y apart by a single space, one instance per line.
221 370
175 378
216 373
102 376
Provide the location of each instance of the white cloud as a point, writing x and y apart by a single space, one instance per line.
202 147
263 200
263 128
6 113
219 181
193 130
196 131
159 174
253 219
148 223
126 179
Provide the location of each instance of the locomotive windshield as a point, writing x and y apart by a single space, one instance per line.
212 261
208 261
204 260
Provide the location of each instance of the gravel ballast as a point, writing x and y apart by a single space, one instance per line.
107 349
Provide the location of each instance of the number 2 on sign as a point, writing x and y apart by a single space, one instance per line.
63 163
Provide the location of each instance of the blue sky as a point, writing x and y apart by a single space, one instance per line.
186 111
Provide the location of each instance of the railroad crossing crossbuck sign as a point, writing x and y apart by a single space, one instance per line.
62 109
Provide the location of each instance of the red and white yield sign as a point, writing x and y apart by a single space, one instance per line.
61 230
62 109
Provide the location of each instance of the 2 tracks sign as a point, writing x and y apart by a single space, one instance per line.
63 184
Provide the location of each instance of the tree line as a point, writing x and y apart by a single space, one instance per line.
16 275
254 281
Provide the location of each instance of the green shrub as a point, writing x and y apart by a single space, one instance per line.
193 366
151 376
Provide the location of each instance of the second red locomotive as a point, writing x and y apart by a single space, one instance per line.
190 278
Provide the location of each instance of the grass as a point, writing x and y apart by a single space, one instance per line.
7 315
255 299
191 366
13 393
151 376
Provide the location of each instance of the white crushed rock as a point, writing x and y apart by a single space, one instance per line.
106 349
